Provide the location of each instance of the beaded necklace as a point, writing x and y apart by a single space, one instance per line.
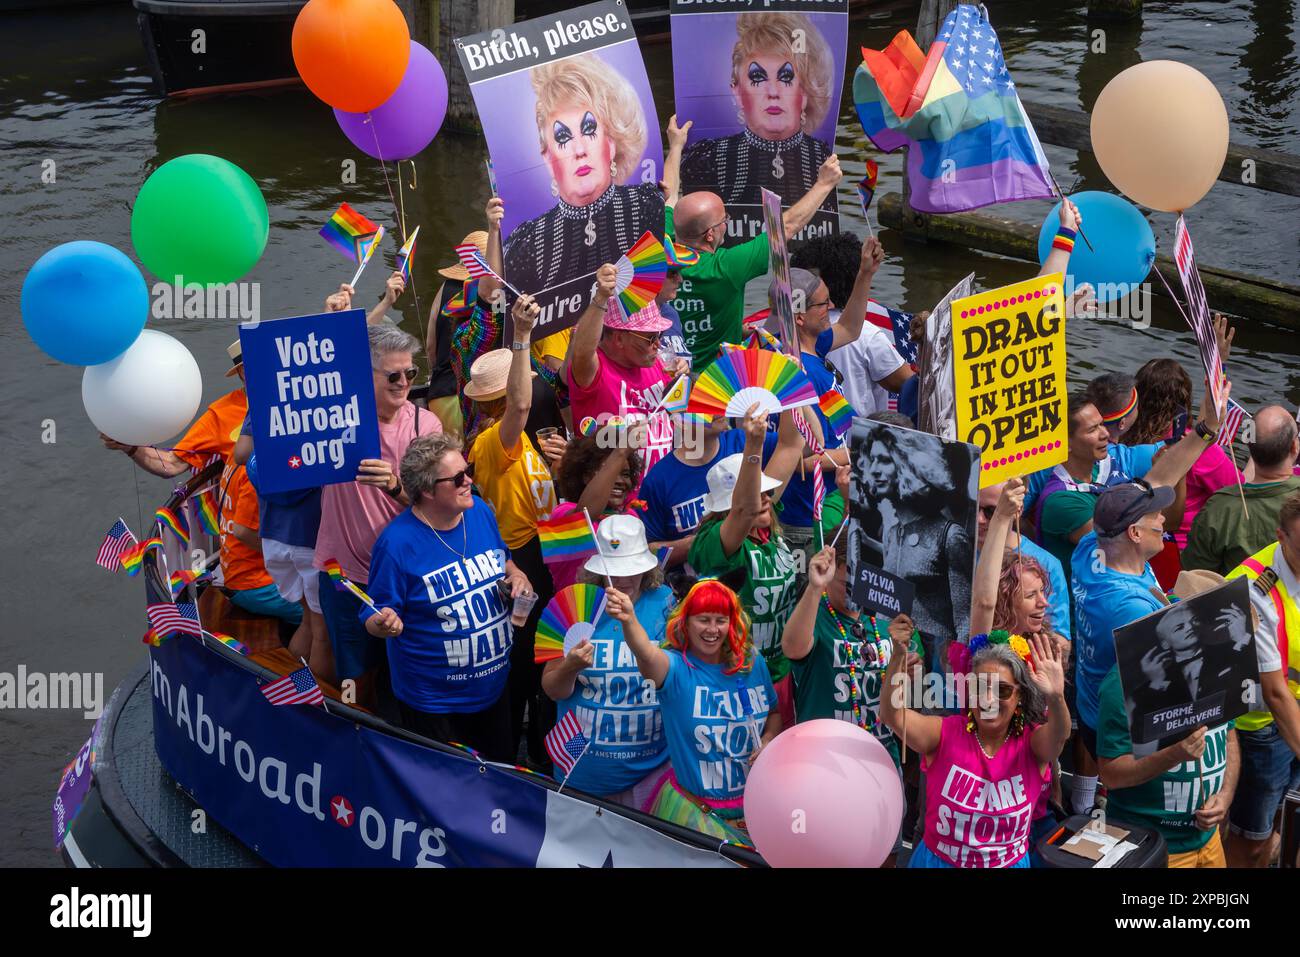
855 662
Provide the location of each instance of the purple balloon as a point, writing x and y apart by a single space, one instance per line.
408 120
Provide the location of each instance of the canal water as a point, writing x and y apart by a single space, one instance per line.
74 89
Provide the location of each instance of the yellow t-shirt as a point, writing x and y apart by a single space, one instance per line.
556 345
515 481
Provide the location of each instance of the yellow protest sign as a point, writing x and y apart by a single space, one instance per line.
1009 367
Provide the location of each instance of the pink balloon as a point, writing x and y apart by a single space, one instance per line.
824 793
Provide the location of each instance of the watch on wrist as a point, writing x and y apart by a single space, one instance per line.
520 346
754 459
1205 432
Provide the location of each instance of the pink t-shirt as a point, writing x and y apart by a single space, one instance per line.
616 390
352 515
1211 472
978 810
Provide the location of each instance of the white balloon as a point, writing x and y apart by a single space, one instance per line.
147 394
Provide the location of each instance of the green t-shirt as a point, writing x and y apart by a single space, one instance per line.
1169 802
768 594
1065 512
1223 535
711 298
823 684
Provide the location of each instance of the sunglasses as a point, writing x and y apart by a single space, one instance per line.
395 377
988 511
1006 691
649 339
463 477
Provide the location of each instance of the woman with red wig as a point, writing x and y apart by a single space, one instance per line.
717 702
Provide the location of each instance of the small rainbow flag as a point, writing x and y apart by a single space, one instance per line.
181 580
133 560
347 231
343 583
404 256
229 642
838 412
151 637
566 538
209 516
676 398
462 303
175 521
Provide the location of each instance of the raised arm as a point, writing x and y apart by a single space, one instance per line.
519 383
746 497
1047 671
922 730
488 287
596 495
801 213
1058 260
672 183
984 590
1178 460
1127 771
583 361
789 450
797 638
651 660
855 310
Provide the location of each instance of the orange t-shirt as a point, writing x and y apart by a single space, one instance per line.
215 431
241 567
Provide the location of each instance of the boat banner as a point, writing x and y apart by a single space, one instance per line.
75 781
311 399
306 788
574 137
763 92
1009 377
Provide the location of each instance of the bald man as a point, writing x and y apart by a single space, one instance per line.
1223 535
712 295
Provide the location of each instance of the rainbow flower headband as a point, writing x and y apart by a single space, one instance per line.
959 655
1116 416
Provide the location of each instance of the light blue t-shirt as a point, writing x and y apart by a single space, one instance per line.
1104 599
616 707
673 492
710 734
1131 461
453 654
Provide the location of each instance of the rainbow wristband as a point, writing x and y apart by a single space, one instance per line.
1064 240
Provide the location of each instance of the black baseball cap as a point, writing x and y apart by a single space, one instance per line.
1123 505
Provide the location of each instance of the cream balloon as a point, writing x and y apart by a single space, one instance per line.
1160 133
147 394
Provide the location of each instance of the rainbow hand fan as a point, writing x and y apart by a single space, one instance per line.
641 274
569 617
739 378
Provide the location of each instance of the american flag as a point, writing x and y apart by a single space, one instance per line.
299 687
899 325
473 261
1232 420
566 743
818 481
117 541
180 618
1199 310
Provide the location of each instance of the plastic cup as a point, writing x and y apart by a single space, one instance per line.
522 608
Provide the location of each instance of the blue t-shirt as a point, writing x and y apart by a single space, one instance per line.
453 654
290 518
617 708
710 736
674 492
1104 599
672 336
797 501
1127 462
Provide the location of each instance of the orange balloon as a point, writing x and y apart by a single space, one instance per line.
1160 133
351 53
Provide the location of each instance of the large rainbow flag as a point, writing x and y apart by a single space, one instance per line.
971 143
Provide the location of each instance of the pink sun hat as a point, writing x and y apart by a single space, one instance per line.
648 319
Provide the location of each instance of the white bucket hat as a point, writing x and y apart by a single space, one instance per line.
722 483
623 549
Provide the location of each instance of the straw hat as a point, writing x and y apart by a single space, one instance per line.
236 352
722 483
1196 580
488 374
623 550
458 272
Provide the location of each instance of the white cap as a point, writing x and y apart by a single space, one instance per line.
722 483
623 549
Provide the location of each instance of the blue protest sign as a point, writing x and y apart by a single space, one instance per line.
311 397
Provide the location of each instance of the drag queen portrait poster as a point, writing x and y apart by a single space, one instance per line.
763 90
576 145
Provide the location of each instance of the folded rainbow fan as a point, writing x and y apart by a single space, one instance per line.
641 274
568 618
741 377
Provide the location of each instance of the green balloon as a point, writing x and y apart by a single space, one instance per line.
199 217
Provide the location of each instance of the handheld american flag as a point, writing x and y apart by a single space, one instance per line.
1232 420
181 618
818 480
566 743
473 261
298 687
117 541
1198 311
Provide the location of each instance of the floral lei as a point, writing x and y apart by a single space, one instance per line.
959 655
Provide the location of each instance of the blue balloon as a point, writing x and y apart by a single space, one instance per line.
1123 246
84 303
